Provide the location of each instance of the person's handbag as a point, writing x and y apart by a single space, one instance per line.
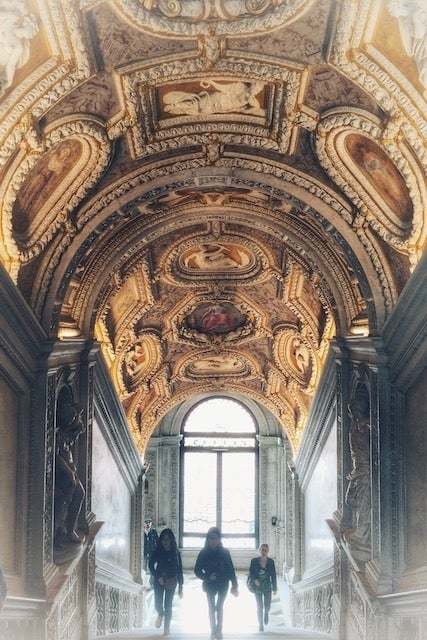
170 583
250 583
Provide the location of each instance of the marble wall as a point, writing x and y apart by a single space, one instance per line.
320 501
111 502
416 474
9 427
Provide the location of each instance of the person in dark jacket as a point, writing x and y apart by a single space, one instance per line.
263 581
151 539
166 568
215 567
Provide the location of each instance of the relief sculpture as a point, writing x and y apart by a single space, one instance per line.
69 491
216 257
412 17
357 526
17 29
216 98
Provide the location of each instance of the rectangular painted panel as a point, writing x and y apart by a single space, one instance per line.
111 502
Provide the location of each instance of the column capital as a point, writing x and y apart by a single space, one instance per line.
269 441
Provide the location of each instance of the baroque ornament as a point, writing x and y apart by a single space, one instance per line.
41 188
378 175
180 18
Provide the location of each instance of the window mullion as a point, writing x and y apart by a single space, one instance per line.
219 490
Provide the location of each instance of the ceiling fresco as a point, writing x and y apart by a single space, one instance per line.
212 190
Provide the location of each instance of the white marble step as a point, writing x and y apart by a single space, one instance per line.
190 618
289 634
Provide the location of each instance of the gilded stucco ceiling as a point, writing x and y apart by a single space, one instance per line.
212 189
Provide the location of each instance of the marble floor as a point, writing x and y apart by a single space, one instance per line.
190 617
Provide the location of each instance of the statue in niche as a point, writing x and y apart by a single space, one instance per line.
17 28
234 97
69 491
412 17
357 529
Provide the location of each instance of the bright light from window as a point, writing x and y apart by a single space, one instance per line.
220 415
219 474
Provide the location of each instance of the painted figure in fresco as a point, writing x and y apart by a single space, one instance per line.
237 97
69 491
47 174
216 257
135 361
358 495
217 319
17 29
381 174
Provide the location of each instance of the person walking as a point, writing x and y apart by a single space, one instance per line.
214 567
262 581
166 568
151 539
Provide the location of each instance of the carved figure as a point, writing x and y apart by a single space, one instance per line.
237 97
220 363
17 28
69 491
412 17
302 356
357 530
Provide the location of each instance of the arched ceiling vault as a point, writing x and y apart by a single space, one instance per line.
214 189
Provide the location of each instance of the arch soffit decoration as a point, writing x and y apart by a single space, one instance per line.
102 212
400 138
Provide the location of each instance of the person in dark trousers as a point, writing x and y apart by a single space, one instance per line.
215 567
151 539
166 568
262 582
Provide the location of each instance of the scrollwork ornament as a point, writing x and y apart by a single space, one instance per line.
330 139
183 19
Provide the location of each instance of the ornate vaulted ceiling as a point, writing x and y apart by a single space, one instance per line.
212 189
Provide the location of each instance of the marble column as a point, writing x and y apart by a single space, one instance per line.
270 506
163 478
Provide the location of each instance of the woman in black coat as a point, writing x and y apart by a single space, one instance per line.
215 567
166 568
262 581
